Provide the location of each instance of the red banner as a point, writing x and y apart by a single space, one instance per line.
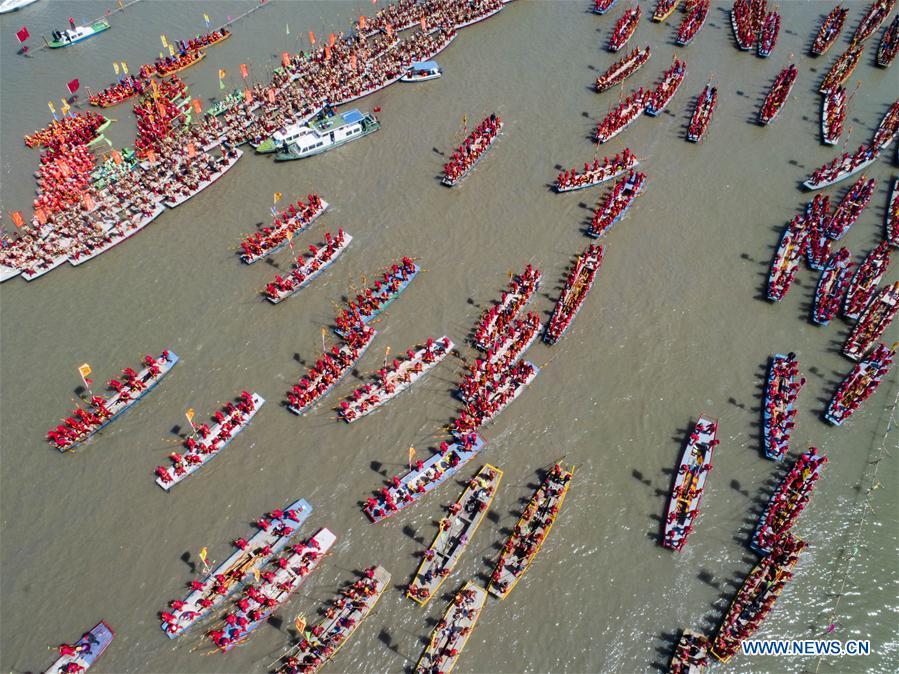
22 35
73 86
243 70
285 59
312 37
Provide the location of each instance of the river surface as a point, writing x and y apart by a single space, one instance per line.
675 326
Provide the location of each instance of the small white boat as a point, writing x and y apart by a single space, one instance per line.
329 132
422 71
13 5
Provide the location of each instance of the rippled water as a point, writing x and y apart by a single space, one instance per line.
675 326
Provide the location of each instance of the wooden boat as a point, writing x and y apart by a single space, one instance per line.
842 68
622 69
859 384
308 269
373 301
106 410
597 173
124 230
689 483
833 115
86 651
787 501
166 67
778 406
530 533
615 204
691 655
394 380
888 128
874 17
850 207
832 286
756 597
275 588
768 34
125 89
452 632
508 347
702 113
454 533
250 555
327 372
286 225
624 28
742 23
66 38
207 444
787 258
485 404
178 199
841 168
423 478
577 285
621 116
889 44
777 95
664 9
818 241
513 300
829 30
864 282
353 605
661 96
692 23
603 6
891 224
472 150
7 272
873 322
207 39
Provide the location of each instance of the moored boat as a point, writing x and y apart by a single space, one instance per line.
689 483
833 115
423 477
692 23
661 96
829 30
779 404
842 68
472 150
622 69
621 116
531 531
864 281
777 95
85 652
216 169
596 173
75 34
452 632
832 286
841 168
625 28
873 322
331 132
285 226
889 44
664 9
454 533
850 207
308 269
615 203
422 71
578 283
371 302
859 384
124 89
498 316
702 113
768 34
250 554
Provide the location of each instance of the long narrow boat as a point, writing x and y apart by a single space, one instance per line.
864 281
343 617
423 478
513 300
888 129
286 225
661 96
841 168
123 231
230 422
473 149
105 410
743 24
168 66
691 655
689 483
621 116
859 384
891 221
829 30
778 94
768 34
872 323
304 272
787 501
842 68
702 113
452 632
454 533
485 404
124 89
615 204
578 283
622 69
327 372
373 301
625 28
692 23
275 588
596 173
207 39
531 531
756 597
603 6
874 17
394 380
175 200
779 404
889 44
850 207
833 115
832 286
508 347
85 652
787 258
75 34
250 554
664 9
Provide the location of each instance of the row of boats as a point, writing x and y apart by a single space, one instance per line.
755 28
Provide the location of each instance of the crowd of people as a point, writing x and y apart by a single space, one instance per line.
850 207
873 322
747 18
788 500
842 69
768 34
778 93
508 346
829 31
691 653
621 116
782 389
577 285
668 85
77 128
486 402
832 286
692 22
833 115
624 28
306 269
864 282
614 203
876 14
622 69
597 172
841 167
888 128
889 44
120 91
371 301
702 113
860 384
285 225
452 631
498 316
471 150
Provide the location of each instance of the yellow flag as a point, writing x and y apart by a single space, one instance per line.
300 623
190 417
124 67
411 455
387 352
115 66
171 50
277 197
50 103
206 17
256 573
164 43
85 370
65 107
203 553
221 74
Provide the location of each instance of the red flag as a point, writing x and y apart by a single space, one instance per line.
73 86
17 219
312 37
243 70
198 106
285 59
23 35
40 215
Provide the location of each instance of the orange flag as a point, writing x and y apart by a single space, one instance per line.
424 24
327 52
40 215
312 37
160 108
17 219
151 156
389 29
88 201
332 39
116 157
285 59
353 61
191 150
198 106
243 70
247 96
271 95
362 22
